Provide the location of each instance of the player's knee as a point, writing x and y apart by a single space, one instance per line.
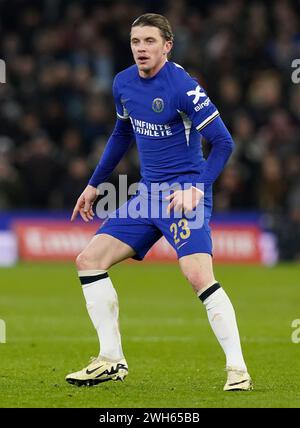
82 261
197 278
85 261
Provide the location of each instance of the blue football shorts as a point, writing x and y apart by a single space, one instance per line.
186 235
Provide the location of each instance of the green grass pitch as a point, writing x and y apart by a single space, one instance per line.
174 359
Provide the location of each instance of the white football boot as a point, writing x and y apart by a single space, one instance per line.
99 370
237 380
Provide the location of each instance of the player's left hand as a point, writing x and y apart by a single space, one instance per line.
184 200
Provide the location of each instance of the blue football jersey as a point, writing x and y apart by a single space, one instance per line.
167 113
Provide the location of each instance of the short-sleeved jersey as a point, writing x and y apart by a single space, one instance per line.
167 113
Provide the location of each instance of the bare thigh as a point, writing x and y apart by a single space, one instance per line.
102 252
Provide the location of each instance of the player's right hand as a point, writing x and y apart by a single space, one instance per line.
84 204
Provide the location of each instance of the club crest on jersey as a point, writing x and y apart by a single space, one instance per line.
158 105
197 94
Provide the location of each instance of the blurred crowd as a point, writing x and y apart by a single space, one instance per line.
56 109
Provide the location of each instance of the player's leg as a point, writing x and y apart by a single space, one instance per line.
117 240
101 298
101 253
191 239
198 270
193 246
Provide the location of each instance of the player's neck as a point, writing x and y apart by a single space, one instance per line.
151 73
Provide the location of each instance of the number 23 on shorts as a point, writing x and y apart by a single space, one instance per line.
181 228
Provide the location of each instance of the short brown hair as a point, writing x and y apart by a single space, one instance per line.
158 21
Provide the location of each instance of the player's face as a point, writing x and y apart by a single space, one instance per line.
149 49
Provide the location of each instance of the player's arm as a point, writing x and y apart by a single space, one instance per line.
206 119
115 149
221 143
218 136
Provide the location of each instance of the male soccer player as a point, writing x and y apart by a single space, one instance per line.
167 111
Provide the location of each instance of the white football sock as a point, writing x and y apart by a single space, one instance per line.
222 319
103 308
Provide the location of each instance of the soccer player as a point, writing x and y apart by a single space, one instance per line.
167 111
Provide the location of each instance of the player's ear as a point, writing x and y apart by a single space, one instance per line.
168 47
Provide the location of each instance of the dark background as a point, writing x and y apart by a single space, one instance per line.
57 112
